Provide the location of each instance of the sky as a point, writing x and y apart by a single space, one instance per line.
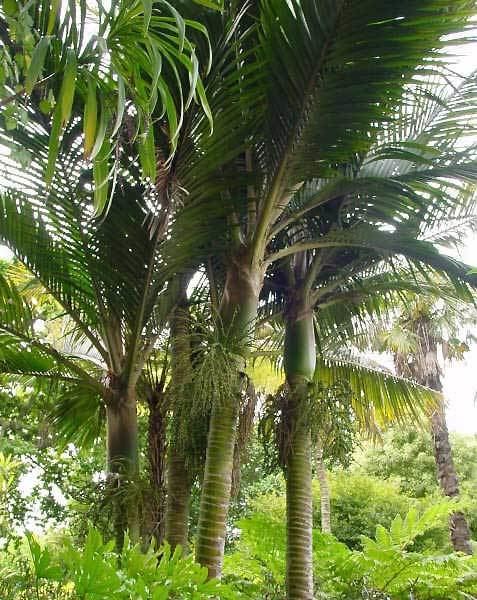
460 380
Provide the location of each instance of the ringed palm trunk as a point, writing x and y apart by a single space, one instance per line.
157 458
179 485
238 313
179 479
299 363
122 459
325 503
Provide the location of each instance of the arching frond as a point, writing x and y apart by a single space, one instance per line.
379 396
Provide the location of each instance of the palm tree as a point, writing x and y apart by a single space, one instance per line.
295 407
292 99
131 63
104 275
414 340
180 475
104 278
350 250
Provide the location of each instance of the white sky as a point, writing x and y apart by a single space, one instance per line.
460 381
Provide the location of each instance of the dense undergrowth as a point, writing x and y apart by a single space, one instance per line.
386 567
390 540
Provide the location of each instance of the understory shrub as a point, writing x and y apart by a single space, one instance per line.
96 572
388 567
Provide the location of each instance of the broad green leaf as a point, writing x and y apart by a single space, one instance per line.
10 7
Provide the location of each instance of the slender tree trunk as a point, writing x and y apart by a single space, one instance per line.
447 477
238 313
216 488
122 458
299 575
426 371
179 479
325 502
299 363
179 484
157 463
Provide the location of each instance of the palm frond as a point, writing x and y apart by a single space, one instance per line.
379 396
331 90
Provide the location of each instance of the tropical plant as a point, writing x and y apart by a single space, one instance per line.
286 139
96 571
105 280
282 117
419 330
386 567
346 246
127 64
118 90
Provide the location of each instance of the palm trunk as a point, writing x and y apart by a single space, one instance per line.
179 485
179 479
238 312
299 363
157 455
122 461
447 476
425 370
216 488
325 502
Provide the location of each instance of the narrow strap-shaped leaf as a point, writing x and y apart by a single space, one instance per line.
68 87
205 104
54 144
90 118
120 106
180 25
101 176
147 6
171 112
147 154
54 12
101 131
213 4
36 64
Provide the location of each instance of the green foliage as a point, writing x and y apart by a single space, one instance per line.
51 481
325 409
387 567
406 457
47 62
9 471
97 572
406 454
359 503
